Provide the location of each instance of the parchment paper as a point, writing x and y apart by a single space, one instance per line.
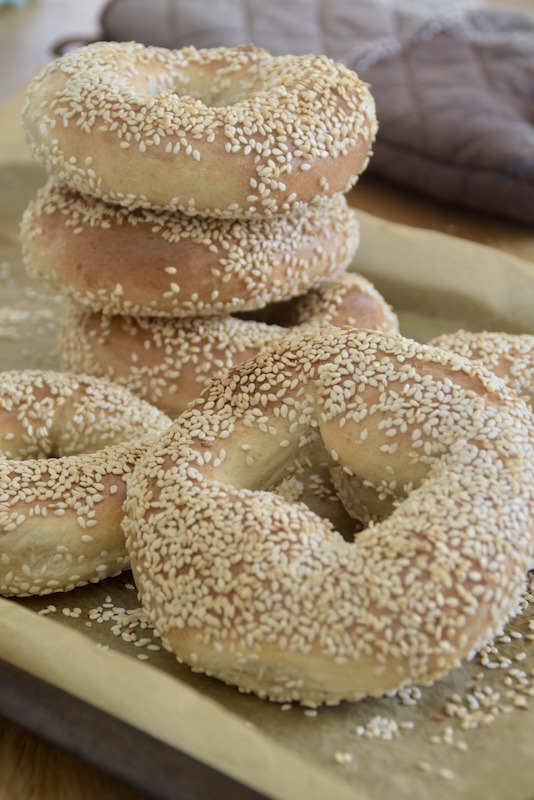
469 736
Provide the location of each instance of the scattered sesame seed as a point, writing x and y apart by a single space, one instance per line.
343 758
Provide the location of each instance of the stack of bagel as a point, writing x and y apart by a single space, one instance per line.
195 214
195 210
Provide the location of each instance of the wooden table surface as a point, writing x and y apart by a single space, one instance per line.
30 767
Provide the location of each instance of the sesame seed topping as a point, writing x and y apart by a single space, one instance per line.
236 547
116 249
62 472
510 356
169 361
298 126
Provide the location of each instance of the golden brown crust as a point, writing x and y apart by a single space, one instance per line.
230 132
67 444
169 361
263 593
145 263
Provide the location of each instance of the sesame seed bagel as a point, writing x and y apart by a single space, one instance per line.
263 593
508 355
67 446
220 132
143 263
168 362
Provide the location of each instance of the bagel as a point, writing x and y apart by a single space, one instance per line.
143 263
230 132
508 355
264 594
168 362
67 445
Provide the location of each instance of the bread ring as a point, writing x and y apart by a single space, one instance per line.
169 265
169 362
264 594
67 444
230 132
508 355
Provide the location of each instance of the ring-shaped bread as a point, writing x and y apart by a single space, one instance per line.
263 593
219 132
508 355
169 361
67 445
144 263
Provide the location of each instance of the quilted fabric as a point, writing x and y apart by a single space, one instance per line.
453 81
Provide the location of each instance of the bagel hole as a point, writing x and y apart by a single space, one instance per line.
213 100
227 90
52 453
32 455
60 444
23 444
314 487
36 450
284 313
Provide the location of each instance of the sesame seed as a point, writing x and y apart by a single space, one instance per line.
311 110
80 433
320 243
473 488
172 360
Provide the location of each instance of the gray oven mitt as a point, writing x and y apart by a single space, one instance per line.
453 81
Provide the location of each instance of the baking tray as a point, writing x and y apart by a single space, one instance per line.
118 749
423 744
